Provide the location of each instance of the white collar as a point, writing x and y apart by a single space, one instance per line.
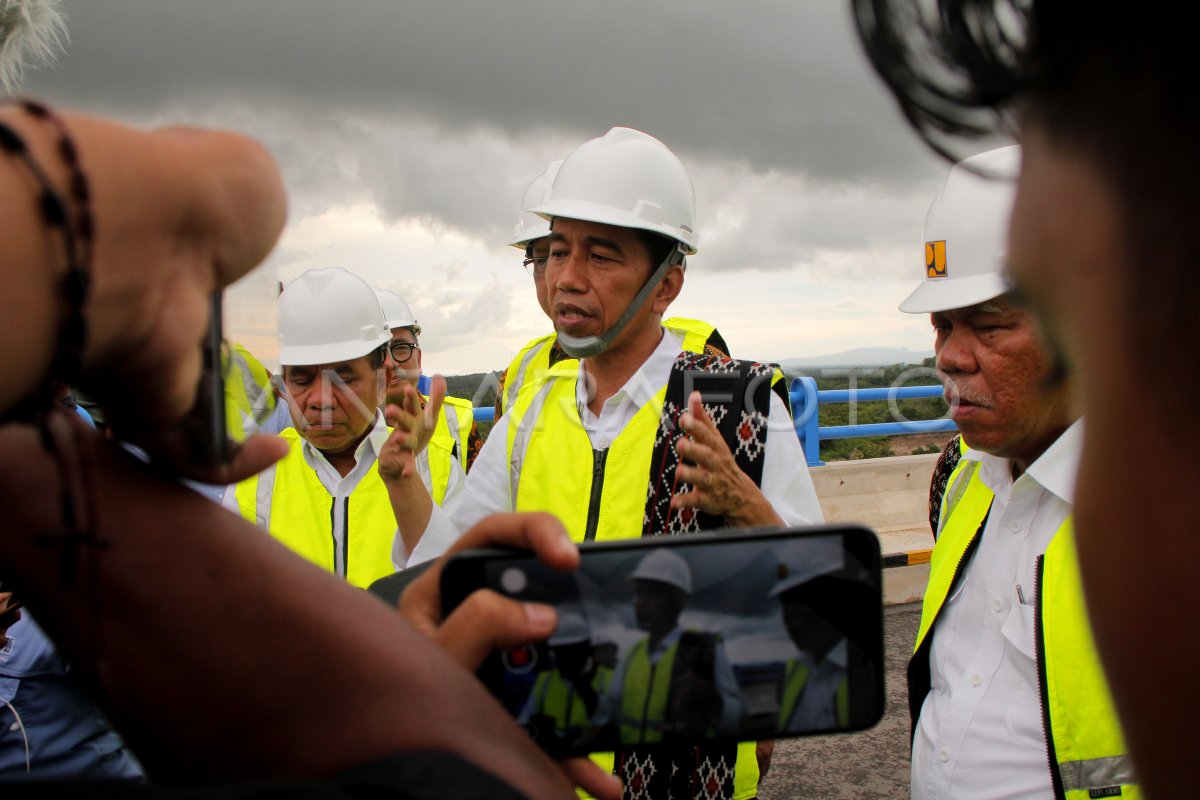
643 384
1055 469
368 448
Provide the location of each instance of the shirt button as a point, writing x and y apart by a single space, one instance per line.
943 755
16 726
976 680
1016 526
997 605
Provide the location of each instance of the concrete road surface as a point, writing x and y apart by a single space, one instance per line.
871 764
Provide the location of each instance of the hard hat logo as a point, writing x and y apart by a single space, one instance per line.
972 211
935 259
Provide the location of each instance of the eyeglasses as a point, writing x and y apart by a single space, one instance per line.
402 351
535 266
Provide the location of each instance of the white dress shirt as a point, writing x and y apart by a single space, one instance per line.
340 488
785 483
980 731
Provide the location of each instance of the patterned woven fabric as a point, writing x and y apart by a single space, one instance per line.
737 396
946 463
677 772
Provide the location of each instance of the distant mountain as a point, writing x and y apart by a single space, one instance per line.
858 357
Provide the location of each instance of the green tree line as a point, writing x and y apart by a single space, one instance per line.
469 387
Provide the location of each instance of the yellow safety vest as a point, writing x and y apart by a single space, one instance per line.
645 693
796 678
534 357
1084 740
558 699
552 467
288 500
449 436
248 393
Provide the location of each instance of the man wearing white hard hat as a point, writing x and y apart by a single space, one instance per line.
1004 679
825 603
615 441
532 235
672 681
325 499
455 440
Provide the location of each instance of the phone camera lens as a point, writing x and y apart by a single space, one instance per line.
513 580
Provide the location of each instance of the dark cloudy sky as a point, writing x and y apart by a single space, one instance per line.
407 132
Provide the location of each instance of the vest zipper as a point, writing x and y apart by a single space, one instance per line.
340 552
346 538
1044 684
593 517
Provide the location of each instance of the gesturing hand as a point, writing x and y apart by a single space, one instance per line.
719 487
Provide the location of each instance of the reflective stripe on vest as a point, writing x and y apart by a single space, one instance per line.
447 435
1084 738
248 393
290 502
533 359
553 470
458 418
645 693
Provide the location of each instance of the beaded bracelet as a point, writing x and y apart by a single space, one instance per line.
77 230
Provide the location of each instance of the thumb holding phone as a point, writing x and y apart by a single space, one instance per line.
487 621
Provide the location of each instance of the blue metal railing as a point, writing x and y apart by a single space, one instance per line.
806 401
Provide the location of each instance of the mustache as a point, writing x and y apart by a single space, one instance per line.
959 393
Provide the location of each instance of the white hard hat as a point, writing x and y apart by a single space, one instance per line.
396 313
966 233
804 559
530 226
666 567
329 315
572 629
629 179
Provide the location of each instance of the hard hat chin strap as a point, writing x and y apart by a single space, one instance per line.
589 346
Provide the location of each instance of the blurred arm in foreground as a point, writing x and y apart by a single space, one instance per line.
197 634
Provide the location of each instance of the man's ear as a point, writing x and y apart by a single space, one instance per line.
668 290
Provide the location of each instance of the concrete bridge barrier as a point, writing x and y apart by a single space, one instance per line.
890 495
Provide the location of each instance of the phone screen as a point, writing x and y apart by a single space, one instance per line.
732 636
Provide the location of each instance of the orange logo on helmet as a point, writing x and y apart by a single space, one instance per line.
935 259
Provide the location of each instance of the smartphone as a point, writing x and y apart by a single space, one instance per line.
725 636
205 427
234 398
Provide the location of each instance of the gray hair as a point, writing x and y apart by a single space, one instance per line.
32 33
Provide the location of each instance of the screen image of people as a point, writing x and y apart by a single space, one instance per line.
659 644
